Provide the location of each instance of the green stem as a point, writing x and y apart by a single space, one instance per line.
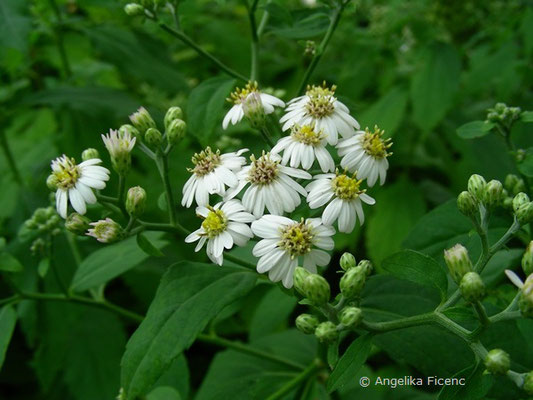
109 199
155 226
243 348
121 190
264 21
188 41
481 313
293 383
74 249
9 300
10 159
401 323
266 136
162 166
254 69
58 30
322 47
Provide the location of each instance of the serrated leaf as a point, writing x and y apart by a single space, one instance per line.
111 261
146 245
474 129
189 296
350 362
8 319
9 263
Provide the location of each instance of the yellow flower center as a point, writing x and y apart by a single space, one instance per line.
297 239
239 95
374 143
263 170
307 135
205 162
68 173
320 104
346 188
215 223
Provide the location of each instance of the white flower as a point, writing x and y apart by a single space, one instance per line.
75 183
321 109
211 174
271 186
347 196
224 225
286 242
118 143
302 146
239 96
366 152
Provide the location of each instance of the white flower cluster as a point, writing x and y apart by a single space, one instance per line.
256 196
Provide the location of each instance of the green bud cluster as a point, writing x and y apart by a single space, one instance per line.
472 287
458 262
175 126
136 201
527 259
497 362
44 221
353 281
503 115
513 184
528 383
489 194
77 224
142 121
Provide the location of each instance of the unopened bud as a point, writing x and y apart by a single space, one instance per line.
476 186
519 187
89 154
77 224
510 181
119 145
172 114
133 10
347 261
253 110
326 332
153 137
367 266
467 204
316 289
306 323
493 194
105 231
458 262
142 120
525 301
352 282
351 316
524 215
136 201
527 259
51 182
498 362
519 200
176 131
472 287
131 129
298 279
528 383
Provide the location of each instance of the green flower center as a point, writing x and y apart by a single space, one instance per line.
215 223
307 135
374 144
263 170
297 239
320 104
239 95
205 162
346 188
68 173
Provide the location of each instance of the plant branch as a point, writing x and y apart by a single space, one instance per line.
58 31
254 69
293 383
162 166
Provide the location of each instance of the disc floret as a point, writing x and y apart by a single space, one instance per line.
205 162
307 135
297 239
375 145
264 170
215 223
240 94
346 187
321 100
65 171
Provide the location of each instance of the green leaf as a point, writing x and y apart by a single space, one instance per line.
306 27
189 296
147 246
8 319
43 267
8 263
388 112
526 165
434 86
474 129
417 267
15 24
477 385
527 116
350 362
111 261
164 393
206 105
333 353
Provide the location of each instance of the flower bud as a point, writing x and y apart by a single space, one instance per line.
347 261
510 181
298 279
77 224
367 266
105 231
527 259
172 114
352 282
525 301
508 203
497 361
476 186
133 10
153 137
119 145
467 204
89 154
136 201
519 187
176 131
253 110
326 332
316 289
528 383
142 120
493 194
458 262
51 182
519 200
351 316
472 287
524 214
306 323
129 128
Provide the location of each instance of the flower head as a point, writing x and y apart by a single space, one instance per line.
303 146
345 197
223 226
239 97
366 152
270 185
287 243
119 144
320 108
212 174
105 231
75 182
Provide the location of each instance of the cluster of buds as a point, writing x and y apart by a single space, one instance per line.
344 315
480 194
41 226
503 115
143 7
497 362
513 185
461 270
